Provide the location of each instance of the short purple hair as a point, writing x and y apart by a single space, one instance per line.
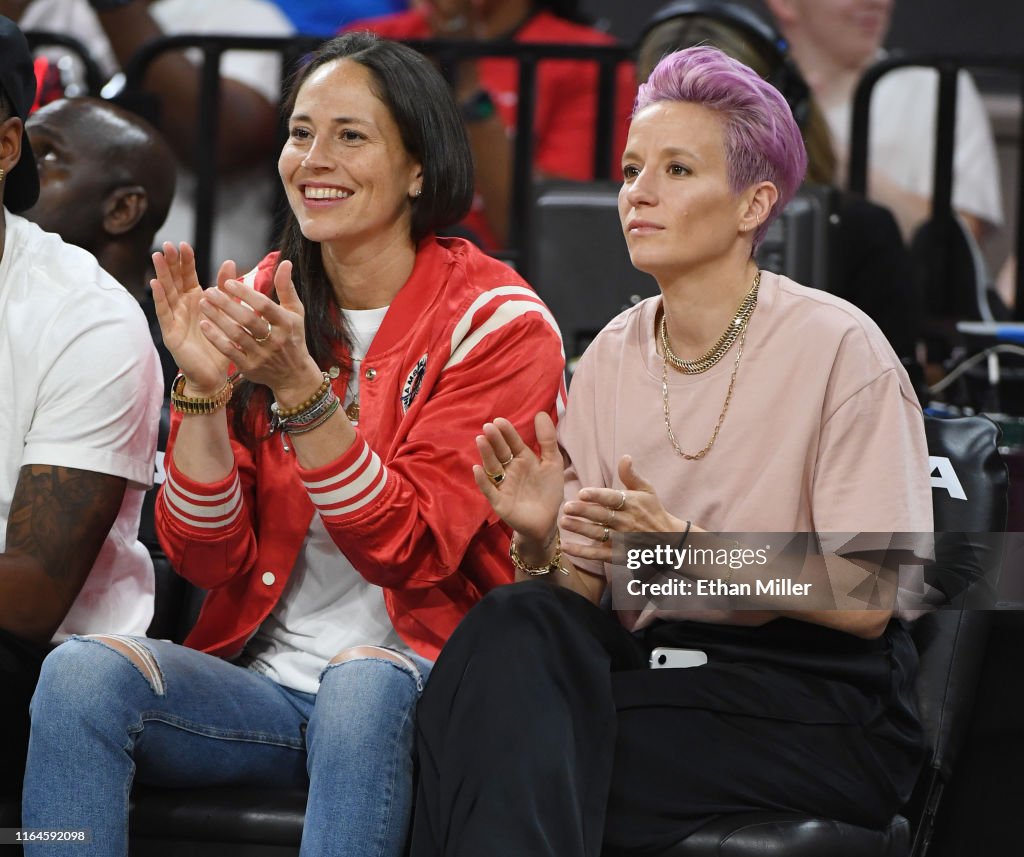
762 140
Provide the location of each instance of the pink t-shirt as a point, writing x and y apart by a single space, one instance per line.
823 434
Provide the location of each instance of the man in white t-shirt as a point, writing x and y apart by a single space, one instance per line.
833 43
81 393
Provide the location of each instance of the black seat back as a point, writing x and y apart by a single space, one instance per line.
172 614
969 502
580 266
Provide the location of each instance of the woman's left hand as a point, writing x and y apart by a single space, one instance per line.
266 341
597 512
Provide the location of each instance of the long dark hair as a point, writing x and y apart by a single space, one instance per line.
428 120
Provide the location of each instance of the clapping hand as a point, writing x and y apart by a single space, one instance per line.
177 295
525 490
597 512
264 339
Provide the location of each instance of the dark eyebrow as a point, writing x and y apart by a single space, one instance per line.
338 120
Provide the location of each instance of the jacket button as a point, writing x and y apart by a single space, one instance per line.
269 578
371 374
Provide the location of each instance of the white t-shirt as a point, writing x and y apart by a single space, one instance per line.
904 110
81 386
327 605
244 200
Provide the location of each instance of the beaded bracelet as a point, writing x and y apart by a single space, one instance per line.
539 571
287 413
301 422
311 414
291 428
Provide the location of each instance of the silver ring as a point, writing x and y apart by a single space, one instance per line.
606 535
511 458
266 336
622 502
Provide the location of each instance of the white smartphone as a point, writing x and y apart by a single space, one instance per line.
663 658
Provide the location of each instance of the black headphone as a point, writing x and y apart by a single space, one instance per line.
784 76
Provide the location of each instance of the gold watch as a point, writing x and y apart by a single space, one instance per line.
193 405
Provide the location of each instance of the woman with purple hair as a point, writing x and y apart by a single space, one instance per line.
735 402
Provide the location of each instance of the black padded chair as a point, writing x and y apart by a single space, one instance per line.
172 592
579 264
969 490
578 259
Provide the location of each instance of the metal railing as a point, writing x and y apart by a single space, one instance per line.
204 160
448 54
948 69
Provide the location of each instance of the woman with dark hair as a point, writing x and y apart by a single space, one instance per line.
332 517
735 402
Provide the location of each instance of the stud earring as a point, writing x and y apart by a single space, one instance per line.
418 192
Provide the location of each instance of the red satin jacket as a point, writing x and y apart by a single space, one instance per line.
464 341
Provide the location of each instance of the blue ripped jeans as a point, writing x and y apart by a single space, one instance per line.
189 719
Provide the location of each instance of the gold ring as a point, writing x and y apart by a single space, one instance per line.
622 502
496 478
266 336
511 458
606 535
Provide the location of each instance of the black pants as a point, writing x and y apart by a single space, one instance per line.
542 732
19 670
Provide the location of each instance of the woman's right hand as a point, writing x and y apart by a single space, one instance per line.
529 495
176 295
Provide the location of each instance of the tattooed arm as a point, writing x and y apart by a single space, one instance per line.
59 519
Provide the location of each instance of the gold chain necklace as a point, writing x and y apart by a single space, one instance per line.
742 317
717 351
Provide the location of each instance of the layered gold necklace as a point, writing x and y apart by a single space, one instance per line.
736 330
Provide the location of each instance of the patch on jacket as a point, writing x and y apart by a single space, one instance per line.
413 383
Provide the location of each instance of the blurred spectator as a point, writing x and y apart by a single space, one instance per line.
834 42
326 17
247 114
873 268
106 178
81 392
75 19
487 93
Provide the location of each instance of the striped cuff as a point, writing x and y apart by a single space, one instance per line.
348 484
199 506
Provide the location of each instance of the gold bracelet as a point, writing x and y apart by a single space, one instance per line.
554 563
193 405
286 413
